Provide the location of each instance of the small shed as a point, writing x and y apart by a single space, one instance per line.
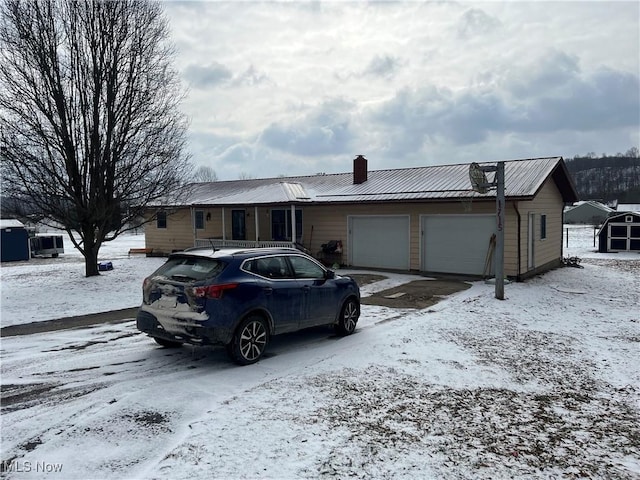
620 233
14 241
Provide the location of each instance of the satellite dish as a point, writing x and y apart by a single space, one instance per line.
478 178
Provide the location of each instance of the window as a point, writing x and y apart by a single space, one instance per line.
281 225
198 219
187 269
543 227
269 267
161 220
305 268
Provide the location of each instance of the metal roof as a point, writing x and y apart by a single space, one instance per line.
589 203
523 179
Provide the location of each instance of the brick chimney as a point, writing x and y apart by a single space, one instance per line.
359 170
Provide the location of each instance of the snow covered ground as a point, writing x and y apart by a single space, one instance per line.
49 288
543 384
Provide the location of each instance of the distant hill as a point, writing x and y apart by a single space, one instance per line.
607 178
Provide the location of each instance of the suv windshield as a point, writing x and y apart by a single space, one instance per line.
190 269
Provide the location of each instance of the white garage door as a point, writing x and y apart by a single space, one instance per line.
456 243
379 241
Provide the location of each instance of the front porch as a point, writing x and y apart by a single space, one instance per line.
222 243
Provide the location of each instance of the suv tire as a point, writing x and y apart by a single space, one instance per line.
348 317
249 341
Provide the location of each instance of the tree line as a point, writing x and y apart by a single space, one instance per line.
607 178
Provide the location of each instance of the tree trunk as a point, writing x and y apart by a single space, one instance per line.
90 253
91 263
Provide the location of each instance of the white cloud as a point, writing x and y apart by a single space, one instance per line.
304 87
207 76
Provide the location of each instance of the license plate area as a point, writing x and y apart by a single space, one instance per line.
167 303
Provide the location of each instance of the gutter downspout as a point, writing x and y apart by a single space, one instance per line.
519 262
561 233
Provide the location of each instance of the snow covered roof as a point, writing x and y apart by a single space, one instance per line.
628 207
590 203
523 179
11 223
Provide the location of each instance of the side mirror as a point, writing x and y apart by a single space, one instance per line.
330 274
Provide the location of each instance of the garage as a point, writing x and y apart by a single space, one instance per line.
456 243
379 241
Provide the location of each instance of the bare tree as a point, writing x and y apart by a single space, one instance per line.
204 174
90 128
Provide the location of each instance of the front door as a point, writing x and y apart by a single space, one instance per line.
238 227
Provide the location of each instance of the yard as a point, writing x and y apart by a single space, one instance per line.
543 384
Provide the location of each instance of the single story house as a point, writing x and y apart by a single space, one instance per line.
620 233
14 241
587 212
423 219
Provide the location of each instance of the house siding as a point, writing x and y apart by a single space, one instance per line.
548 251
325 222
177 236
320 224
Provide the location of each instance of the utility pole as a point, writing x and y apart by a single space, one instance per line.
500 231
480 184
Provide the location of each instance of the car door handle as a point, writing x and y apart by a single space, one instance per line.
306 288
268 290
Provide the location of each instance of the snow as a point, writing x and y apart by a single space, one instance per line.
50 288
543 384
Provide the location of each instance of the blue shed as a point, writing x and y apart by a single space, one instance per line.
620 233
14 241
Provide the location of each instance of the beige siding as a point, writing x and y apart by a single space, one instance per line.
548 202
332 223
322 223
510 240
177 236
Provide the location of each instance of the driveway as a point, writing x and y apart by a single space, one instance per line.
417 294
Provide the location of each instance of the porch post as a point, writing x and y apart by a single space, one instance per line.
224 230
255 218
293 224
193 225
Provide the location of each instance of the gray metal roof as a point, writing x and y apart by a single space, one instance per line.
523 179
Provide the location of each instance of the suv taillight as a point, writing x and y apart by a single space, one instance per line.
212 291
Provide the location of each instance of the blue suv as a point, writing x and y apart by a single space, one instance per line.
240 298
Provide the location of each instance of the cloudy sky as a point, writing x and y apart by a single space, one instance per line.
297 88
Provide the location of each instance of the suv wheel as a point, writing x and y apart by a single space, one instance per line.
250 341
348 317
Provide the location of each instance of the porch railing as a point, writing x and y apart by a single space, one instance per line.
219 243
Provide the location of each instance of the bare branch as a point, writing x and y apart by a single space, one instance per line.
89 114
